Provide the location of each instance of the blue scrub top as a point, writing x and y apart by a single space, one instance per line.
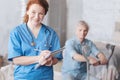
20 45
72 46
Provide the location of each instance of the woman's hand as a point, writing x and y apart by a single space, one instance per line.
102 59
93 61
49 61
45 57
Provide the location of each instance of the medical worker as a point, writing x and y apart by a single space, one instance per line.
77 51
30 43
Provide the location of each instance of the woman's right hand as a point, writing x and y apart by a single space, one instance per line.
44 57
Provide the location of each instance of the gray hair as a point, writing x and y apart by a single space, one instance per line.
82 22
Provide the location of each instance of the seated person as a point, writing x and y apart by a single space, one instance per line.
74 62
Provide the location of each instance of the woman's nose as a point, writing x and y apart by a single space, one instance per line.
36 16
82 32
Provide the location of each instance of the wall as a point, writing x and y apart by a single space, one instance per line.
102 17
57 18
10 16
74 14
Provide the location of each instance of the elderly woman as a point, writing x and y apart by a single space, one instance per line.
77 51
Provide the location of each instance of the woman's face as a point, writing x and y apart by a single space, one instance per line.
81 32
36 14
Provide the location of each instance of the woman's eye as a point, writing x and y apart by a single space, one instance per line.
33 12
86 31
80 30
41 13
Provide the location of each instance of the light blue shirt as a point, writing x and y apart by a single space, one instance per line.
72 46
20 45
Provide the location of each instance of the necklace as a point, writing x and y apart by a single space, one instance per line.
32 43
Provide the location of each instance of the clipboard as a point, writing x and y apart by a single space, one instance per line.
52 53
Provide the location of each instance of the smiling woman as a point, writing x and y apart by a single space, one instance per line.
33 34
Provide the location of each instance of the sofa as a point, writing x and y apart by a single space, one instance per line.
110 71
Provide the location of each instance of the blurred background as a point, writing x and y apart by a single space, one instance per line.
103 17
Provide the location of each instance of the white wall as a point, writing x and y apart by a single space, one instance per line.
102 16
10 16
74 14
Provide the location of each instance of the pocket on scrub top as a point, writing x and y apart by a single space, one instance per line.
46 46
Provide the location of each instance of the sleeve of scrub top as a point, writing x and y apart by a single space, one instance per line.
69 47
94 49
56 45
14 47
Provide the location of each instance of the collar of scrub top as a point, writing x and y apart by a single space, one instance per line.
29 31
47 38
32 43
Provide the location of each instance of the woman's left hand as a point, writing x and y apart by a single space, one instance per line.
102 59
49 61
